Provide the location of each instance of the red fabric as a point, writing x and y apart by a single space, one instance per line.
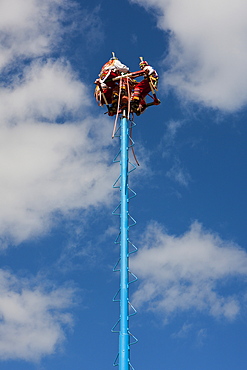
111 84
142 89
108 95
112 88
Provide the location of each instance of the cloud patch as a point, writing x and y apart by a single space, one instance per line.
54 155
189 272
29 28
46 90
55 162
207 55
33 318
49 169
179 174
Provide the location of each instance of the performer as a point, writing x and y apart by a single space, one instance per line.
149 83
106 91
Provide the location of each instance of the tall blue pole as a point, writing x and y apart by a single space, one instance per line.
124 268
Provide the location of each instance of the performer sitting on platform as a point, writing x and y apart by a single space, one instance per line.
149 83
106 91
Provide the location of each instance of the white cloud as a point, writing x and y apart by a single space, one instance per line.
183 332
172 129
180 273
29 28
47 90
46 169
179 174
207 54
33 318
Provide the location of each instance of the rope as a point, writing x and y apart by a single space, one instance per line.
132 147
128 91
119 97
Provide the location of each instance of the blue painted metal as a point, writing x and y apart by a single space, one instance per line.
124 268
126 338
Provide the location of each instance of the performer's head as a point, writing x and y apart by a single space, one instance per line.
143 64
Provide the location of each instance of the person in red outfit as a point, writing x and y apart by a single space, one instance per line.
106 90
149 83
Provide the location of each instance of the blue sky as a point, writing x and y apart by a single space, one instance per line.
57 230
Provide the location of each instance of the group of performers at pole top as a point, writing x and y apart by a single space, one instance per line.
117 88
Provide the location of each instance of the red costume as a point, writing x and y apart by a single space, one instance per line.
117 89
106 88
149 83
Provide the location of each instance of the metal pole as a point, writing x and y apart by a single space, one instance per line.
124 268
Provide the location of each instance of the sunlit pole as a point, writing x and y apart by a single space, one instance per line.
124 268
